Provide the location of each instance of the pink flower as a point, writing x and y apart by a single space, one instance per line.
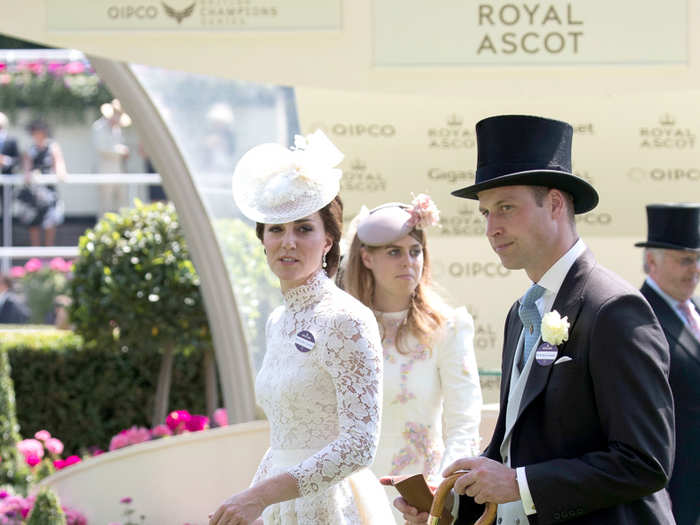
57 263
32 265
75 68
177 419
32 460
31 447
119 441
71 460
161 431
3 494
126 500
137 435
196 423
36 67
17 272
54 446
73 517
220 417
55 68
63 463
42 435
424 212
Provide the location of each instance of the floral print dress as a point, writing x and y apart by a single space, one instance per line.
432 400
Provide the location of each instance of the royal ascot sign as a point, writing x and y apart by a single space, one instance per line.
454 133
193 15
666 134
489 32
357 177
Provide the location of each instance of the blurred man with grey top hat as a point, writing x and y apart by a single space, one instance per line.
672 265
585 431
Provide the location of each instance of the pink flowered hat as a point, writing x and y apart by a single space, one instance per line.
391 221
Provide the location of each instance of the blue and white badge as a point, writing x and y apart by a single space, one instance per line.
304 341
546 354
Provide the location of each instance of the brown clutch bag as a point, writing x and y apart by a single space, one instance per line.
414 489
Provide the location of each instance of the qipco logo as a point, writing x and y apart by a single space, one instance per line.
595 219
364 130
477 269
130 12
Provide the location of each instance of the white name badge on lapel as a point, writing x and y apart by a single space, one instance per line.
546 354
304 341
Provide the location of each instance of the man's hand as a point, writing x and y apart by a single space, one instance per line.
486 481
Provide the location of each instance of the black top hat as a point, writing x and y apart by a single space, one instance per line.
534 151
673 226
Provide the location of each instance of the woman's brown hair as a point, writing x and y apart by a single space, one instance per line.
425 312
332 217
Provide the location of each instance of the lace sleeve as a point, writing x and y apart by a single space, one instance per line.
461 390
353 360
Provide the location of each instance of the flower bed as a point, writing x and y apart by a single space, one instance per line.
86 395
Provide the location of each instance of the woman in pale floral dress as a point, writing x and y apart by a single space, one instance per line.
320 383
432 398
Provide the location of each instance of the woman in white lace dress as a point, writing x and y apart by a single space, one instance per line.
432 397
320 383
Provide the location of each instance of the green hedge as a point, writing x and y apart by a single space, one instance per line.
85 395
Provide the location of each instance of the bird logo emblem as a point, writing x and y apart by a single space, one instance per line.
178 15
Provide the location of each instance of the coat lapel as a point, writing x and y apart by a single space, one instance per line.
568 303
672 325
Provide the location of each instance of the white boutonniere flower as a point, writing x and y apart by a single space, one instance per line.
554 328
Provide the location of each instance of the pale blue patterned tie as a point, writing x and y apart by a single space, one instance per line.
531 319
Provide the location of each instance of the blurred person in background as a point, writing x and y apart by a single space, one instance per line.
12 311
9 152
39 205
111 153
9 155
672 265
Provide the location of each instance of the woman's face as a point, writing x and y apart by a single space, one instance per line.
295 249
39 136
397 267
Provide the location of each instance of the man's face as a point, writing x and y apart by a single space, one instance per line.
520 232
677 272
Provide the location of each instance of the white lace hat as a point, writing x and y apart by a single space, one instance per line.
274 185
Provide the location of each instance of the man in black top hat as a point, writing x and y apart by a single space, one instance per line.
585 431
672 263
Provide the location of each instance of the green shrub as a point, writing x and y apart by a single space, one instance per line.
85 394
47 509
13 469
134 282
134 286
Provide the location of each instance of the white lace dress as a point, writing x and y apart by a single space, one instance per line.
432 400
320 385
